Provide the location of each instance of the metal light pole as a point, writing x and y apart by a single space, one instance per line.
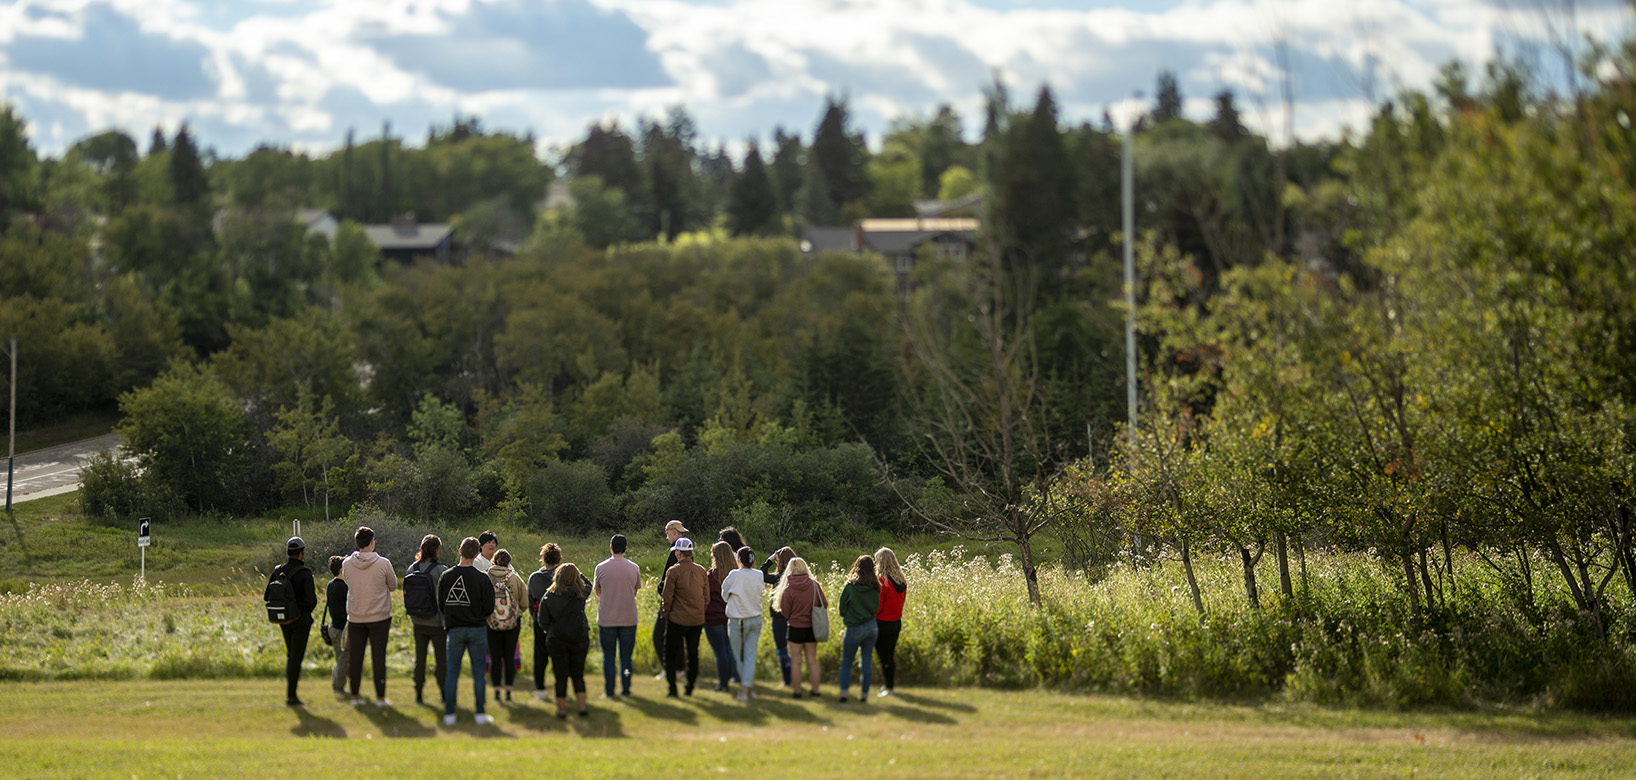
11 450
1130 283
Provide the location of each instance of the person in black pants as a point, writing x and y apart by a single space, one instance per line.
335 604
538 583
673 531
562 616
297 631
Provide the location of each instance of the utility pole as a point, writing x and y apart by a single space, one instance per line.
1128 188
11 450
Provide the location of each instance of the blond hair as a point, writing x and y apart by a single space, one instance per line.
796 566
886 563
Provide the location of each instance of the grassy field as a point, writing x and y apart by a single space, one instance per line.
191 729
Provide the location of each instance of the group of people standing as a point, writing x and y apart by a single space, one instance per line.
473 611
725 604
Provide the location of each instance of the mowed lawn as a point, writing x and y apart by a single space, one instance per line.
238 728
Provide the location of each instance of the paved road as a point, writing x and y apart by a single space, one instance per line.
53 470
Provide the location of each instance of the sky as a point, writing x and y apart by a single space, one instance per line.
301 73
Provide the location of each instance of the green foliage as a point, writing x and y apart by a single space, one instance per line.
188 433
572 498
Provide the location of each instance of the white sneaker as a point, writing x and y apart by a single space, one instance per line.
448 720
356 702
741 695
885 692
383 703
484 720
539 695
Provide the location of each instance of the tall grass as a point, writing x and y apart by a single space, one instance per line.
1346 638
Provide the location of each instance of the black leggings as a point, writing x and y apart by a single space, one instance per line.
438 638
568 664
886 648
295 645
503 649
375 634
781 628
542 657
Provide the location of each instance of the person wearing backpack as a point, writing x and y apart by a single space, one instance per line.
466 597
370 582
538 583
420 604
563 615
335 603
291 597
505 624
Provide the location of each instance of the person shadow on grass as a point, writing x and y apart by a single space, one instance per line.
311 725
396 724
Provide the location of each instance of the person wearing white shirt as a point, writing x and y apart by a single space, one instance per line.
742 591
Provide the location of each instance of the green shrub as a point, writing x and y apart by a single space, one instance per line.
572 498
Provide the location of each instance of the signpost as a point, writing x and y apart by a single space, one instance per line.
143 539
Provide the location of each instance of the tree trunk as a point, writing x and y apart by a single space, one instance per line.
1432 594
1192 582
1284 585
1250 589
1448 555
1414 587
1025 549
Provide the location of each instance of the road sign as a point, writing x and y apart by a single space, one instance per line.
142 537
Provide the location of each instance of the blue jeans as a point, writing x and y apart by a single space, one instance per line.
624 637
744 634
858 637
717 636
466 641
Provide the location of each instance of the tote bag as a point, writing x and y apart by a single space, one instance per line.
820 619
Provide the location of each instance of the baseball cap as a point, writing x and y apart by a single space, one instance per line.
294 545
683 544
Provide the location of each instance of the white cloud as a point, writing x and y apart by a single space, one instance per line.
302 72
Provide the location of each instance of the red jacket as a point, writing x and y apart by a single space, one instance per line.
891 600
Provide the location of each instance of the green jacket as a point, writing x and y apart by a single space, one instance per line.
858 603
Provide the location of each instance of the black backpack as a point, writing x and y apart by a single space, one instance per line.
280 598
419 592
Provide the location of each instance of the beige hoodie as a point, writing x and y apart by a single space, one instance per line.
370 582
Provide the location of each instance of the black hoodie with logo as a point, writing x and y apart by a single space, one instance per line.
466 597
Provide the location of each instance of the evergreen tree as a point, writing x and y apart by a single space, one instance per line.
1040 189
608 153
156 144
841 156
786 168
187 173
1226 124
752 207
1168 99
667 158
16 165
816 205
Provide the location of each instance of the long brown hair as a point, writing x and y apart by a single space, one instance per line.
429 545
863 572
721 558
567 582
783 555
